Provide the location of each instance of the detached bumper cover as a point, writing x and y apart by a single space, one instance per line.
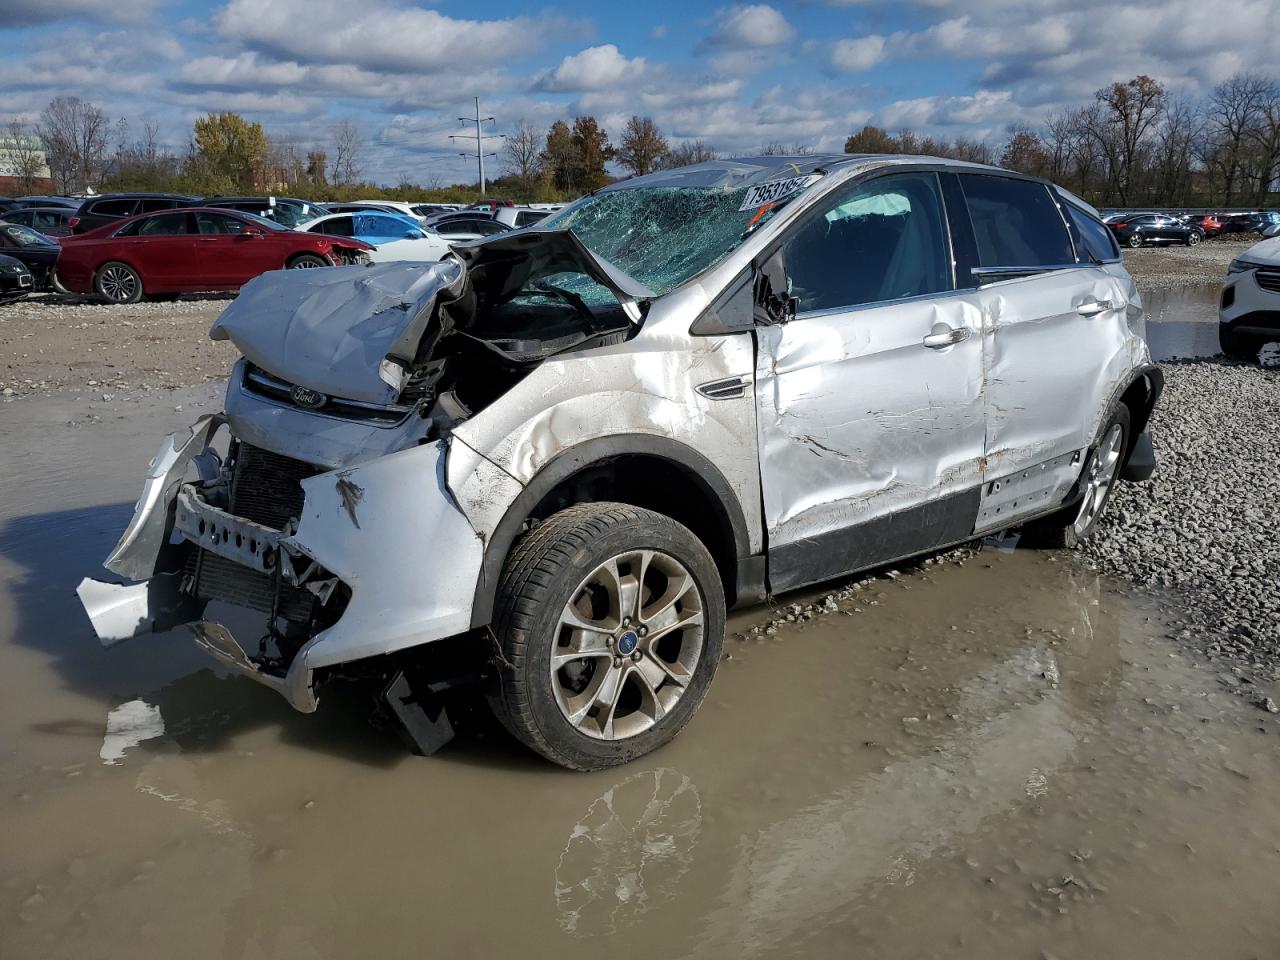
390 529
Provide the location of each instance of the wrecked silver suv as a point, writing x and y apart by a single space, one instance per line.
550 463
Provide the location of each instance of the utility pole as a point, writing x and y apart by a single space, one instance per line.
479 138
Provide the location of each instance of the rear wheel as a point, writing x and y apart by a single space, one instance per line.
118 283
1071 526
306 261
609 625
1135 241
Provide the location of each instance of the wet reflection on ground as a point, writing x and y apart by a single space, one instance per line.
1182 321
1002 759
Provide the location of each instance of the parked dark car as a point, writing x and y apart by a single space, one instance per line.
466 223
38 252
1157 228
15 279
37 200
112 207
1250 222
51 221
190 250
286 211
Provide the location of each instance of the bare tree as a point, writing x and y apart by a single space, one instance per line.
1175 149
695 151
1123 125
643 146
523 153
1264 139
348 145
25 159
75 142
1234 109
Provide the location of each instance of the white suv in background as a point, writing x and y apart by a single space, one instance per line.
1249 307
552 461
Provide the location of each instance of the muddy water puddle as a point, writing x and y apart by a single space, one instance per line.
1000 759
1182 321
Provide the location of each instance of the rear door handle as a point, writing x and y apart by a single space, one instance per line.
945 337
1091 308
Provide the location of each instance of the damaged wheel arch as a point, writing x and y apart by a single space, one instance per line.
686 472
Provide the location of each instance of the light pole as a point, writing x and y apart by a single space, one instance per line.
479 138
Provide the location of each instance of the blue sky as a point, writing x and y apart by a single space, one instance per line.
735 75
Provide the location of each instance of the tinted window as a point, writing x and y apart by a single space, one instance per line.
338 227
168 225
158 203
22 216
883 240
1091 236
216 223
526 217
1015 223
113 208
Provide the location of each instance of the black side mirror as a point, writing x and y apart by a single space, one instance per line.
773 304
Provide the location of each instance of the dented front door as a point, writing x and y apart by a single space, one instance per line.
871 400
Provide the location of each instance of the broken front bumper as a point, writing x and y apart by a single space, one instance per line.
389 529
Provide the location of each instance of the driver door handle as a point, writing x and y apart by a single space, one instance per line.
946 338
1091 308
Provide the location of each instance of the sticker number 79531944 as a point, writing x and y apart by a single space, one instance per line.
775 190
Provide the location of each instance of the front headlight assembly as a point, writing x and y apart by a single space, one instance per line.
1241 266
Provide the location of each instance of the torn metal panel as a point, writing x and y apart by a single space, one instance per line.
859 420
121 611
412 561
139 549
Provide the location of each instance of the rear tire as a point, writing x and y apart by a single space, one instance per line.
1071 526
640 598
118 282
1135 241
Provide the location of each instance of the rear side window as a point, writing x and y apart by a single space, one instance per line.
217 224
1015 223
159 203
166 225
526 217
113 208
1091 236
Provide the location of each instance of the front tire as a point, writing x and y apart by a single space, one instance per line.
1069 527
306 261
1237 346
609 625
1193 238
118 283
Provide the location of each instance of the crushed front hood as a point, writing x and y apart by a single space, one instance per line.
350 331
330 329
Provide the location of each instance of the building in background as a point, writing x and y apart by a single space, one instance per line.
23 169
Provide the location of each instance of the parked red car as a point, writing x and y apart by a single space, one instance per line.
190 250
1208 223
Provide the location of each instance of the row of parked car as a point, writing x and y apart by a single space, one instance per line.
124 247
1140 229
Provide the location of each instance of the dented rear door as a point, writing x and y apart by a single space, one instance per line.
871 414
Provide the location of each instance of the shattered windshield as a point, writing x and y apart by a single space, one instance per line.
663 236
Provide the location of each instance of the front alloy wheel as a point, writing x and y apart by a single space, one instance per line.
609 625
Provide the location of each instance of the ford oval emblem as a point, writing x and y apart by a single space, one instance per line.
308 399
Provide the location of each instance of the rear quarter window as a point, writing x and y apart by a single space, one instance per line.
1091 236
1015 223
113 208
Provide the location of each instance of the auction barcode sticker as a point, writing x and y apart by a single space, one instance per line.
776 190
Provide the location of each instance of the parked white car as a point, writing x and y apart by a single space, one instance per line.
1249 307
392 236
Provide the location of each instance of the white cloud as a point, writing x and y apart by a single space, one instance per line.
750 27
595 68
858 53
381 35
